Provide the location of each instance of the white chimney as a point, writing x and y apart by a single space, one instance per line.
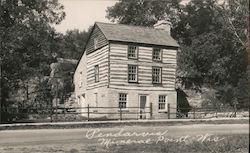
163 25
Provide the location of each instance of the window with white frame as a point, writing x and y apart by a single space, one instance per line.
156 75
81 82
97 73
122 100
162 102
132 73
95 43
157 54
132 52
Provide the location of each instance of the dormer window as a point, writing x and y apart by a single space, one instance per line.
95 43
157 54
132 52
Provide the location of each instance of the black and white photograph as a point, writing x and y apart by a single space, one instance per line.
124 76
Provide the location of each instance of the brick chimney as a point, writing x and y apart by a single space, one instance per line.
163 25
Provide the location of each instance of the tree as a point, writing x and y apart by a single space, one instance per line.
67 49
219 55
26 40
214 41
72 44
143 12
212 35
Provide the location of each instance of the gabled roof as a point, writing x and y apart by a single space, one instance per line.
136 34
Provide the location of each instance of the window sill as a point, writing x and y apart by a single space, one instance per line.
123 110
163 111
157 84
158 61
133 58
133 82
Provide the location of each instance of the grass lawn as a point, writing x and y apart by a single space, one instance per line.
236 143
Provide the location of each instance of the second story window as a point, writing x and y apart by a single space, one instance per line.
132 52
157 54
132 73
97 73
156 75
95 43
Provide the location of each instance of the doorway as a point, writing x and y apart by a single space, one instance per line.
83 104
143 104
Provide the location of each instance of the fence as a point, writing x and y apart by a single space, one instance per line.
201 112
54 114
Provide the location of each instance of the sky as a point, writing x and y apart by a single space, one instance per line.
81 14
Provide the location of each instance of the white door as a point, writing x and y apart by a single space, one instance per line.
143 104
83 104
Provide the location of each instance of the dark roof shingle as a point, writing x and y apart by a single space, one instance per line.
136 34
